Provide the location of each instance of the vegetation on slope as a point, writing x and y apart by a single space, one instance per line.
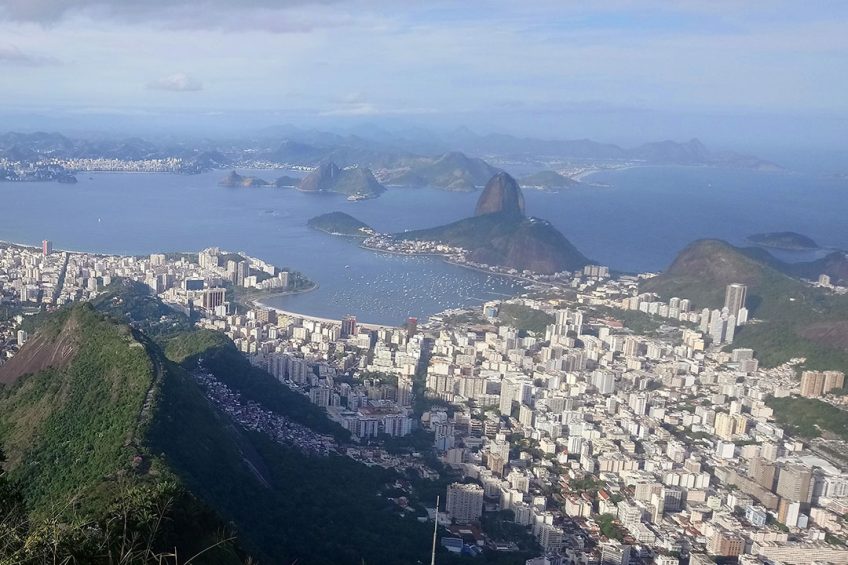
704 268
55 415
809 417
142 522
793 319
298 508
524 318
834 265
229 366
75 435
132 302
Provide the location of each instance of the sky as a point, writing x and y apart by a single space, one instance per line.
738 72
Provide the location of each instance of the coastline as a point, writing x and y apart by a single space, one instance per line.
447 259
248 300
594 170
95 253
281 311
338 234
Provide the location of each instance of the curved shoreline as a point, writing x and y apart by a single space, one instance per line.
447 259
258 300
339 234
291 314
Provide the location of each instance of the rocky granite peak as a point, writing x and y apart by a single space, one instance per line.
501 195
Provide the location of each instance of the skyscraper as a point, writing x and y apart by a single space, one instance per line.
348 326
46 247
832 380
242 272
213 297
818 383
734 298
723 426
464 502
793 483
604 381
812 383
763 472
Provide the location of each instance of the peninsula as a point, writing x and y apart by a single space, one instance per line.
548 180
499 235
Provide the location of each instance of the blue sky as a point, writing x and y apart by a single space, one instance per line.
735 71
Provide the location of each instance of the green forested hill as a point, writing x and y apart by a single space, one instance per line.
116 428
74 430
793 319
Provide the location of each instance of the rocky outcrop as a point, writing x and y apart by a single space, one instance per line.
235 180
500 234
501 196
328 177
322 178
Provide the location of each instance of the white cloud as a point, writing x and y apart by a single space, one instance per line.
50 11
11 54
360 58
177 82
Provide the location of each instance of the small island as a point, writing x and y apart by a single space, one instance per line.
339 223
235 180
785 240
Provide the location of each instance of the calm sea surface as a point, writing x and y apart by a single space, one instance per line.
639 222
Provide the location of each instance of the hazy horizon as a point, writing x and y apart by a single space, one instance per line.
737 76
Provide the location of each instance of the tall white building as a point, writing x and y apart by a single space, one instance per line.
464 502
735 296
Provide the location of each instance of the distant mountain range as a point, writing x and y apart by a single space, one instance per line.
195 156
451 171
413 157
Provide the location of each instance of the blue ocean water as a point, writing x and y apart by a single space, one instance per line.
636 223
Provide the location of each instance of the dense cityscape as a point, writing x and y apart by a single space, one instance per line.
603 443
